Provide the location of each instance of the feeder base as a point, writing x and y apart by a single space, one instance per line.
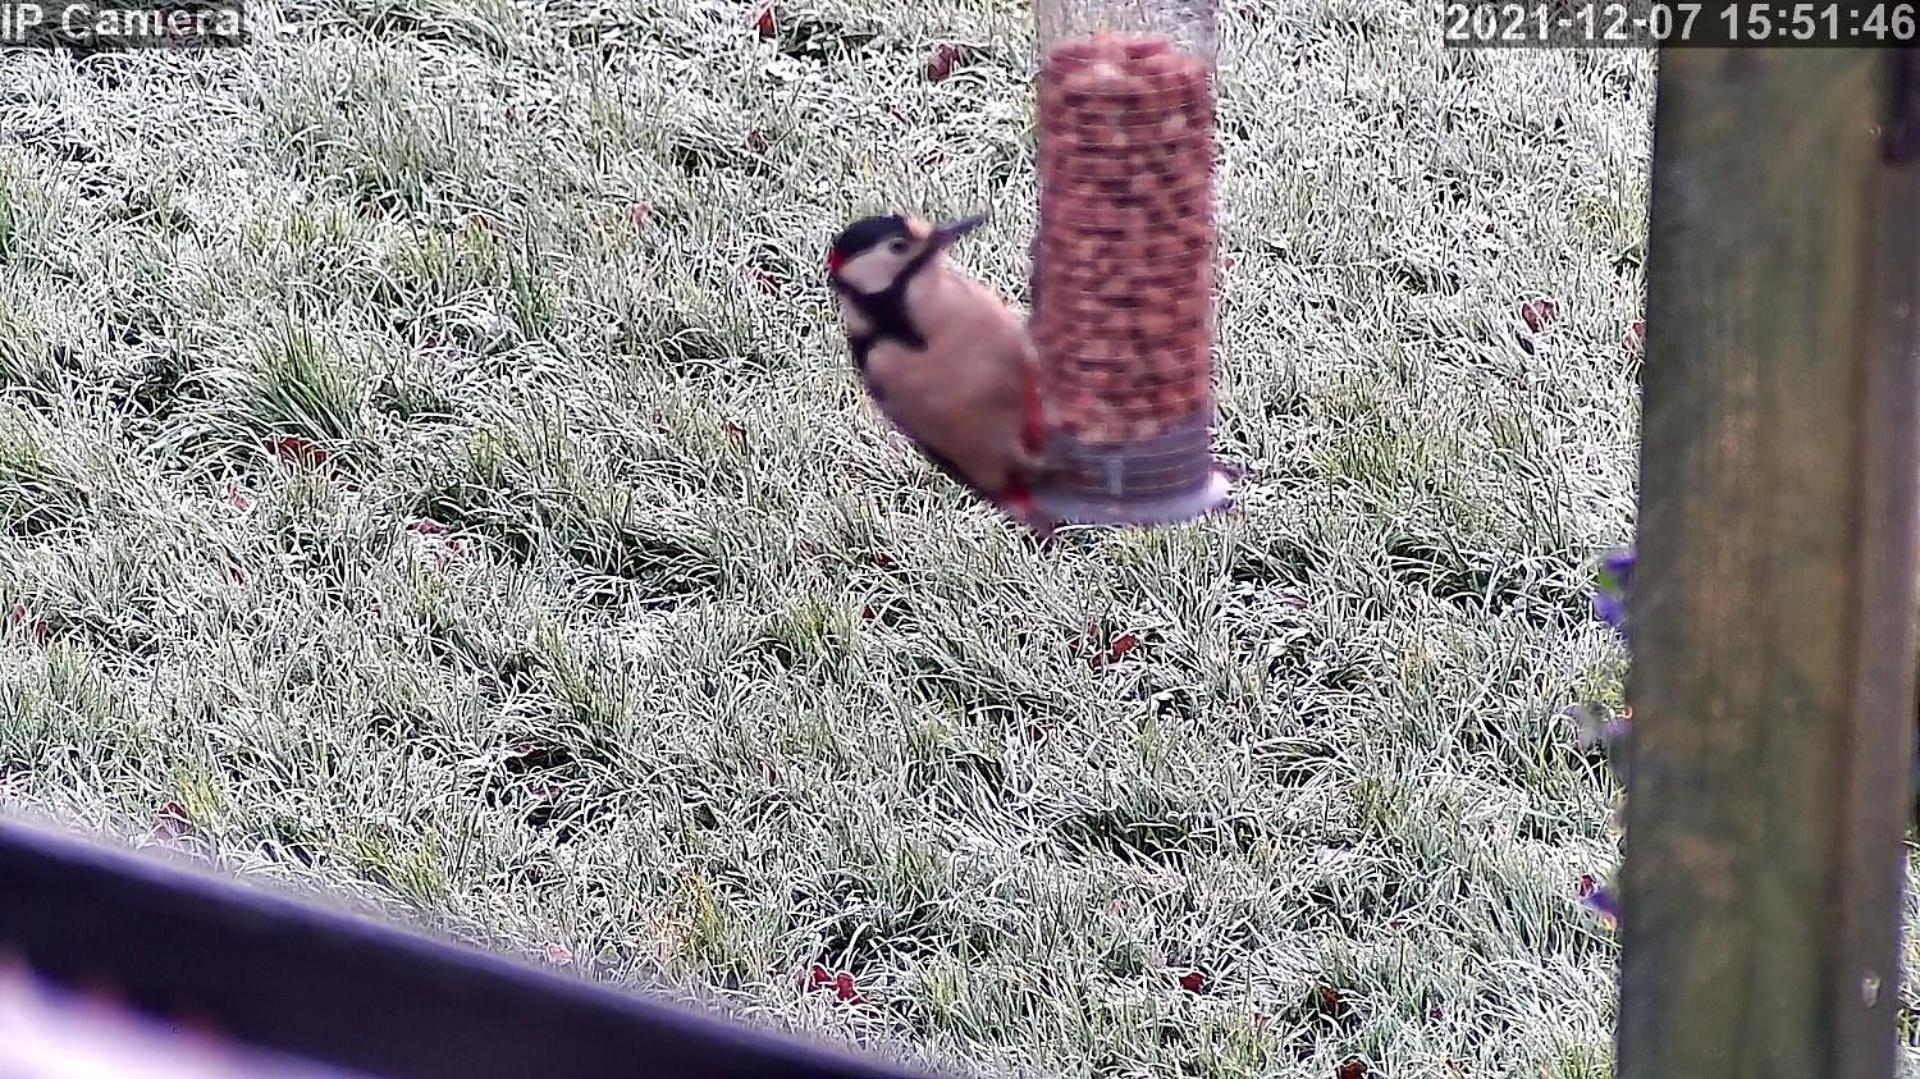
1215 495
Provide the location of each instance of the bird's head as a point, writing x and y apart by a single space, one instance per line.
873 253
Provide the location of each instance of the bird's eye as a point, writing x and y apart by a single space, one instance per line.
897 245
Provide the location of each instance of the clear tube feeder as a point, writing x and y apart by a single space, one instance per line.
1123 267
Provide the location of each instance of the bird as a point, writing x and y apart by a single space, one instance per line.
944 357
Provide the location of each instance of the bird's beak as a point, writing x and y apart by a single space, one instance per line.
953 230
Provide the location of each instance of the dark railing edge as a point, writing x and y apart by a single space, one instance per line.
283 972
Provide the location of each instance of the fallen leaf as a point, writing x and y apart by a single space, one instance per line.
1330 1002
1636 339
1539 314
171 824
427 526
442 554
841 984
941 61
558 956
1352 1068
763 22
298 451
1116 649
36 628
1193 982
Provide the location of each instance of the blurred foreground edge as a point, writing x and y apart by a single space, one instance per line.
267 972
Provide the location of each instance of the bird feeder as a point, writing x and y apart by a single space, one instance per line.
1122 284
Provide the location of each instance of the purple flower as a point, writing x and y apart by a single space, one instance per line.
1597 726
1616 585
1617 565
1600 899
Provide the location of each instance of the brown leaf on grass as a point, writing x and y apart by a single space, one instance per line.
173 826
763 22
1116 648
942 60
1329 1002
1352 1068
841 985
1636 338
22 619
1193 982
1539 314
299 451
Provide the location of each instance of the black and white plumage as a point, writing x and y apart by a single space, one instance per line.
943 357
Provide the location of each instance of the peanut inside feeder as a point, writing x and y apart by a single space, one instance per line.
1123 264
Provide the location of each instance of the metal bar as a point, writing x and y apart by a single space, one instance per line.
273 972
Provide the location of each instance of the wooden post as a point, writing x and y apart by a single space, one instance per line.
1773 608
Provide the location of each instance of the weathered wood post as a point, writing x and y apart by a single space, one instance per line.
1774 599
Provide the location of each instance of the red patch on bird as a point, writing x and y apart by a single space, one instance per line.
834 261
1035 431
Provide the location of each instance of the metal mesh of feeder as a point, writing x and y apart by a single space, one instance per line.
1123 262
